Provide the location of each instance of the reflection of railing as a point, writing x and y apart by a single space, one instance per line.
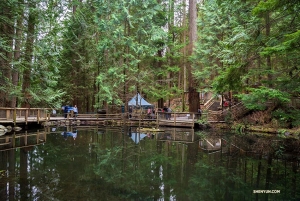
14 115
184 119
22 140
210 144
177 135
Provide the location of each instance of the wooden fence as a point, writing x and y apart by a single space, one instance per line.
26 115
39 115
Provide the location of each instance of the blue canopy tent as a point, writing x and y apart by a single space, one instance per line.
139 101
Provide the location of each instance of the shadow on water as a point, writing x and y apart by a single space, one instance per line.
124 163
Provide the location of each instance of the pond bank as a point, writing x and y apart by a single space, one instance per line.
241 128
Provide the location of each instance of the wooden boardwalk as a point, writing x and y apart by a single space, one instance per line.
17 116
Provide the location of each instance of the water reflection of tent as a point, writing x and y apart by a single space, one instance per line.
136 137
138 100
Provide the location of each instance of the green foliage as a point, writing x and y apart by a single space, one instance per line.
258 97
229 79
224 46
228 117
106 51
287 117
239 128
264 6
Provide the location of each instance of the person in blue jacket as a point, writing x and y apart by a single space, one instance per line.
66 110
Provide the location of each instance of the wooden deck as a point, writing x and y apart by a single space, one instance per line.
43 116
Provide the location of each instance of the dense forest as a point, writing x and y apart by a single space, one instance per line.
95 53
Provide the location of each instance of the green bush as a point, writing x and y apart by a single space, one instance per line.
288 117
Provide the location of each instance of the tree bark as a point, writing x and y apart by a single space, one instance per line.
17 51
28 55
268 32
6 32
194 101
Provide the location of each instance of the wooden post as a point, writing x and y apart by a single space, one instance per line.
174 133
38 116
15 116
157 122
26 116
7 114
193 135
193 119
174 119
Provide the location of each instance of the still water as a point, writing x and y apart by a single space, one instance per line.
84 163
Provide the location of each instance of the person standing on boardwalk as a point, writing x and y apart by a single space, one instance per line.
169 113
65 108
75 110
199 113
130 112
165 110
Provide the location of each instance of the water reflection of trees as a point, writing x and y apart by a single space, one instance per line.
107 163
156 169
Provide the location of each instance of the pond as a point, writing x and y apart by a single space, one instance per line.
119 163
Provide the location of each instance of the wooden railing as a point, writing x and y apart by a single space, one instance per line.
208 103
185 119
26 114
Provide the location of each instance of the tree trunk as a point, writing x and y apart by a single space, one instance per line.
194 101
17 50
160 102
28 55
269 67
6 33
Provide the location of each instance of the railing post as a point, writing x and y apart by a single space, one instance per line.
174 119
193 120
38 116
7 114
15 116
193 135
26 116
157 119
